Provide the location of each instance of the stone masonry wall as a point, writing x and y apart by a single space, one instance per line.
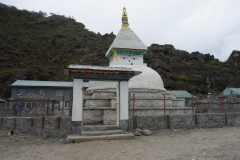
51 126
215 107
206 120
61 126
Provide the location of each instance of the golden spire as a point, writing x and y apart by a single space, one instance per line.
124 18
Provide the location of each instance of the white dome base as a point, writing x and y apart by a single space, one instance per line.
148 80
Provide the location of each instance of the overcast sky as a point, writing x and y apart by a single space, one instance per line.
207 26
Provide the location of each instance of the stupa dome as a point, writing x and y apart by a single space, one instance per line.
148 79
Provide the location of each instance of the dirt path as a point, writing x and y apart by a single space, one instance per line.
215 143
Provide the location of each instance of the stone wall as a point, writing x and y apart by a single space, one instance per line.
215 107
51 126
206 120
61 126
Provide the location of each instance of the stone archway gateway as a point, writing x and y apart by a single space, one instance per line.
100 73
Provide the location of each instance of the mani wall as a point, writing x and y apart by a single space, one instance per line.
61 126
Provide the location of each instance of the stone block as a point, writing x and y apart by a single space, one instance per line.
65 126
182 121
113 103
124 125
37 126
236 107
8 123
24 124
147 112
51 126
152 122
145 95
92 116
178 103
210 120
130 124
233 119
109 117
99 95
146 132
98 103
150 104
76 127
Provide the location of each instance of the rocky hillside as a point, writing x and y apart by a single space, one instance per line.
196 72
35 46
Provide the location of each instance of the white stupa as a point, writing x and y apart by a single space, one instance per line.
127 50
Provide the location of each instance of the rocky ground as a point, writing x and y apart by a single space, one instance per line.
215 143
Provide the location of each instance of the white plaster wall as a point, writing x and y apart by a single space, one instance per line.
123 100
77 108
126 60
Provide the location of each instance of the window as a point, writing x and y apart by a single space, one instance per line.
59 92
21 91
56 106
67 104
29 105
42 92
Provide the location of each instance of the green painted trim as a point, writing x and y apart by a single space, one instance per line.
126 52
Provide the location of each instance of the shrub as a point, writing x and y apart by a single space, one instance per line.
182 78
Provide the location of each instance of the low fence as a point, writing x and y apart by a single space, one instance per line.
51 126
217 107
62 126
189 121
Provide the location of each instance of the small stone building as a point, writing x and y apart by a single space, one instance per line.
182 94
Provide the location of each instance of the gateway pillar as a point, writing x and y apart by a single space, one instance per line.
124 115
77 108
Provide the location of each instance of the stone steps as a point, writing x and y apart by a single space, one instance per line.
79 138
100 133
99 127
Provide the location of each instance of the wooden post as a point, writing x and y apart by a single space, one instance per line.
36 108
133 110
20 109
164 105
62 104
47 105
221 104
192 105
6 109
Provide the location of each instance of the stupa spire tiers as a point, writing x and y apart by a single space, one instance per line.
124 18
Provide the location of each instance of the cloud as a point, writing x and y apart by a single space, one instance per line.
204 26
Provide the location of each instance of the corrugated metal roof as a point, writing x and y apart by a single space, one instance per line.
42 83
237 90
31 83
182 94
2 101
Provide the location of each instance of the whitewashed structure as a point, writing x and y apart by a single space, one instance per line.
127 51
115 90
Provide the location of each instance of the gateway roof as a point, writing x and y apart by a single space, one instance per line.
30 83
42 83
